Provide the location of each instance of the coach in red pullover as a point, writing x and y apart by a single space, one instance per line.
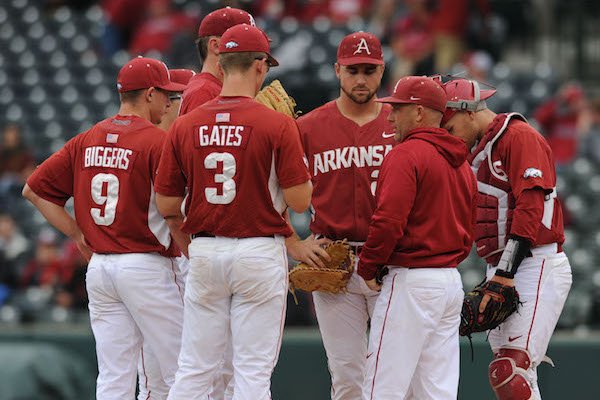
421 230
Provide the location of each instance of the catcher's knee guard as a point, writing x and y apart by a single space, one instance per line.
508 376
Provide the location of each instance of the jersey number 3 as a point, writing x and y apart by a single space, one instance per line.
105 198
225 179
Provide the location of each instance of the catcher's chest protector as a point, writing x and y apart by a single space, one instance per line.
495 202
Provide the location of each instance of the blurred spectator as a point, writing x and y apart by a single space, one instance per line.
160 28
412 41
122 19
46 269
16 161
591 146
339 11
478 65
13 252
72 293
450 23
563 120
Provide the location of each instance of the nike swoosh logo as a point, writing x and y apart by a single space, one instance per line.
413 98
512 339
481 248
370 354
387 135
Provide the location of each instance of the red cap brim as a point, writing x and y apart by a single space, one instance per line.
173 87
392 99
359 60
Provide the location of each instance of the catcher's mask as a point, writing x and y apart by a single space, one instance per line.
464 95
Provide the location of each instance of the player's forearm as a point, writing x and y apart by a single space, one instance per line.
181 238
56 215
380 244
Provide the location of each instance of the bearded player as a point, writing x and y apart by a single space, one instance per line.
345 141
519 231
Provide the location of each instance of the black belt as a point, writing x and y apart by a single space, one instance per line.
210 235
202 234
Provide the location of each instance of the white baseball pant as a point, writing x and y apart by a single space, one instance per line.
413 345
543 282
133 299
343 321
237 284
151 385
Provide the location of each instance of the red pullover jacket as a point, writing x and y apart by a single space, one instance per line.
425 205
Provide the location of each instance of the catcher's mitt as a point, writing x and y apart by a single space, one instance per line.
276 98
333 278
503 302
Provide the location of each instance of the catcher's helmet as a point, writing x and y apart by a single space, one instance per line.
464 95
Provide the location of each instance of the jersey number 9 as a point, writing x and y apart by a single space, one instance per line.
107 201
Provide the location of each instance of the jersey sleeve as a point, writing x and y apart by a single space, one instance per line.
395 196
290 162
194 100
528 214
53 179
529 161
169 179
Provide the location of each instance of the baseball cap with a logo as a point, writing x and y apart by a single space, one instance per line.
418 90
246 38
218 21
360 48
143 73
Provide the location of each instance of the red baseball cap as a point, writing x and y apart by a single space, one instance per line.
218 21
181 76
418 90
246 38
464 95
360 48
143 73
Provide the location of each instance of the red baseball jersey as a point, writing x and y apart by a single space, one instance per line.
425 205
201 88
234 156
108 170
511 159
344 160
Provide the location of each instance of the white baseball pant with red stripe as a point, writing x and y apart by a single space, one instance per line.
413 345
543 282
237 284
344 321
133 299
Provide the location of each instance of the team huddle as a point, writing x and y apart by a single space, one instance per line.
181 207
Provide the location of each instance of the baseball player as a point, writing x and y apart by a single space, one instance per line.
132 275
242 165
345 141
421 230
207 84
150 382
181 76
519 231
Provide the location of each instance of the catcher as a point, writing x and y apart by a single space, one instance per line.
518 231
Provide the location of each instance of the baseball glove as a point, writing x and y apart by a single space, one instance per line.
276 98
333 278
503 302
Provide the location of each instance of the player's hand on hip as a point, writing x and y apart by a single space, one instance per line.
373 285
309 250
83 247
486 298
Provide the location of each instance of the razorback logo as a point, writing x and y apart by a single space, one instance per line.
532 173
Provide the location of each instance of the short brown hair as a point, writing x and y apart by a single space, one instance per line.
239 61
202 47
131 96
